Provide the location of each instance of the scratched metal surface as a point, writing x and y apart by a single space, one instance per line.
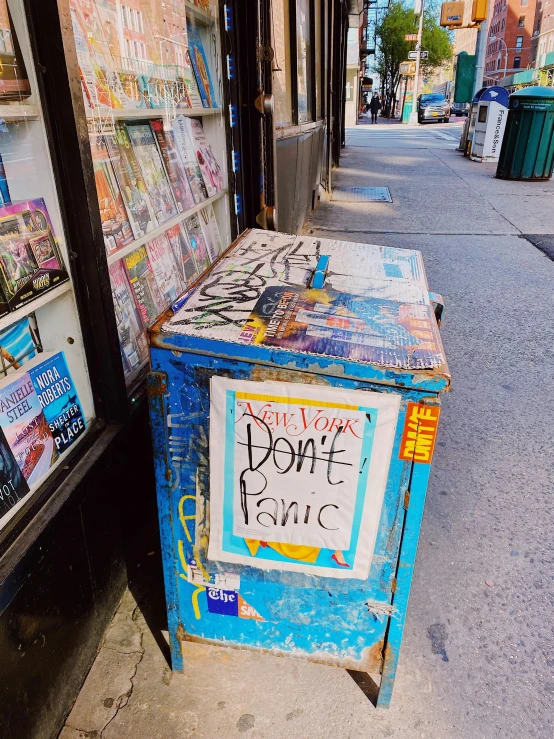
340 622
219 307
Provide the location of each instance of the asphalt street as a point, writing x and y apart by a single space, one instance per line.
477 660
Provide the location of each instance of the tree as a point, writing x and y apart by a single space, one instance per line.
393 50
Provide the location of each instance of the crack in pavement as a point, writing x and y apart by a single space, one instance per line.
123 699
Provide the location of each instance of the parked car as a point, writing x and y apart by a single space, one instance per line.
459 109
433 107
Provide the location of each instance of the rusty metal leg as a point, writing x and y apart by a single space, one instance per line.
406 561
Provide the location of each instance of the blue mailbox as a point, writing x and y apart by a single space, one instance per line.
294 404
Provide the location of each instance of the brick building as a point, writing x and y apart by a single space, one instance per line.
543 34
509 44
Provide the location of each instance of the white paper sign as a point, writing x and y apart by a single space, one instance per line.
298 474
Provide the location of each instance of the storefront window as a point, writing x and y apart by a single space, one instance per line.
304 53
46 404
281 73
150 73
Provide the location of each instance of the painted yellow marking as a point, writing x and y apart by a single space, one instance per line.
183 519
195 606
274 399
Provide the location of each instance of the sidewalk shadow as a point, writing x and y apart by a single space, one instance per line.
367 685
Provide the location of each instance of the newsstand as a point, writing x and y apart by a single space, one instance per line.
294 401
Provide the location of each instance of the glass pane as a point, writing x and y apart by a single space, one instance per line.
304 63
151 79
319 63
281 74
46 403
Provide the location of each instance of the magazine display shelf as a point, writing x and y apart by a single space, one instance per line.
201 16
18 112
34 305
149 113
163 228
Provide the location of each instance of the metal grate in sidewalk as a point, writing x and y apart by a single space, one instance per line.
361 195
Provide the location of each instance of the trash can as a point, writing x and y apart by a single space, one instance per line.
528 147
294 401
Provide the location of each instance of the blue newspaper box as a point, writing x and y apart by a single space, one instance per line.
294 400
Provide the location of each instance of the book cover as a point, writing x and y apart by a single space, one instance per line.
13 486
166 273
93 54
58 399
151 165
115 223
23 228
132 338
211 171
147 295
210 230
200 66
185 149
154 91
5 198
26 428
174 167
197 242
182 253
17 346
190 83
131 181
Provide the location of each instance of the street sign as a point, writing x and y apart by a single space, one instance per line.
407 69
410 37
423 55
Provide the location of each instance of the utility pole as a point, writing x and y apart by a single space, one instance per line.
482 35
413 114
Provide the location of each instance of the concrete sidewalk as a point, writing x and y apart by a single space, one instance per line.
477 660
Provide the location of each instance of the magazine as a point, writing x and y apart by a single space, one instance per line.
190 83
131 182
4 190
211 171
93 54
197 242
58 398
147 295
337 324
17 346
155 178
174 167
30 260
210 230
200 66
115 224
25 427
182 253
166 273
13 486
132 339
185 148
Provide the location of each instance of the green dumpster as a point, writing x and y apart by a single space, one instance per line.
528 147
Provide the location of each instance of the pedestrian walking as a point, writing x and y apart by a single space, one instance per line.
374 107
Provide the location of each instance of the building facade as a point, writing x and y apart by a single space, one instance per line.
543 32
509 42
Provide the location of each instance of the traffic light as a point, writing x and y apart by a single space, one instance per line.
452 14
479 11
